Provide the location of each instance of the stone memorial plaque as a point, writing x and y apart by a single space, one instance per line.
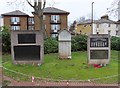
27 46
99 54
98 49
98 42
26 38
31 52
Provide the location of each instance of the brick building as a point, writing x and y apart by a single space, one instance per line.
54 20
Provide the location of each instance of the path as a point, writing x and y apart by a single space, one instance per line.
0 76
15 83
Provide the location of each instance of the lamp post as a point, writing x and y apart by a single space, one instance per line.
92 18
118 18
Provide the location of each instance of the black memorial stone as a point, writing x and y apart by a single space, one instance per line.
99 54
26 38
27 52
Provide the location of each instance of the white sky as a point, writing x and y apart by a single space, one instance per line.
77 8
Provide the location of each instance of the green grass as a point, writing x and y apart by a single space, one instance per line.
56 69
0 62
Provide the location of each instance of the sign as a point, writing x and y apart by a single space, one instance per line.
98 42
26 38
27 46
27 52
98 49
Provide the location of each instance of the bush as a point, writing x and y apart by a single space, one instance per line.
50 45
6 44
115 43
79 43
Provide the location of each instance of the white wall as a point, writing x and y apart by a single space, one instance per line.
1 21
104 28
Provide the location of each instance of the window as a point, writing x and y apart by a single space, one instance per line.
85 25
55 18
108 25
55 27
80 31
31 20
15 27
109 31
45 26
116 32
44 17
97 25
116 25
30 27
15 19
54 35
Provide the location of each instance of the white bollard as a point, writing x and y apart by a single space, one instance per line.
33 78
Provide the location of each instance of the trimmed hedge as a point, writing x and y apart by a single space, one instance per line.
6 44
50 45
115 43
78 43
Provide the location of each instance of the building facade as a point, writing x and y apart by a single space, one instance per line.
54 20
1 21
84 27
101 26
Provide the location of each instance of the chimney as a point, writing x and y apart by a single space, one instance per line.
106 17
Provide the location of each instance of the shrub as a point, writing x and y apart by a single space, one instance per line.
79 43
6 44
50 45
115 43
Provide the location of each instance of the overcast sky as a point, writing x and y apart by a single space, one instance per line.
77 8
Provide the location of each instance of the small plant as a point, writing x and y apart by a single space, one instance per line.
6 83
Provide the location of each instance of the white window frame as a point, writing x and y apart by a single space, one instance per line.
55 18
15 27
30 27
55 27
44 17
15 19
54 35
31 20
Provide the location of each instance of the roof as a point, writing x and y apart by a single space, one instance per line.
104 21
97 21
16 12
54 10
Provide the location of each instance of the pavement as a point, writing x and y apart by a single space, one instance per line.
0 76
16 83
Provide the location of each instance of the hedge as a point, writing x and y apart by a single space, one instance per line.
50 45
115 43
6 44
78 43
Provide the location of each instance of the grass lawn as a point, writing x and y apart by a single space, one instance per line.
74 69
0 62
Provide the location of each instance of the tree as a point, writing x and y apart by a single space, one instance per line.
39 12
115 9
80 19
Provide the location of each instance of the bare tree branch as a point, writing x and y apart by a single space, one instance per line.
44 5
30 4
